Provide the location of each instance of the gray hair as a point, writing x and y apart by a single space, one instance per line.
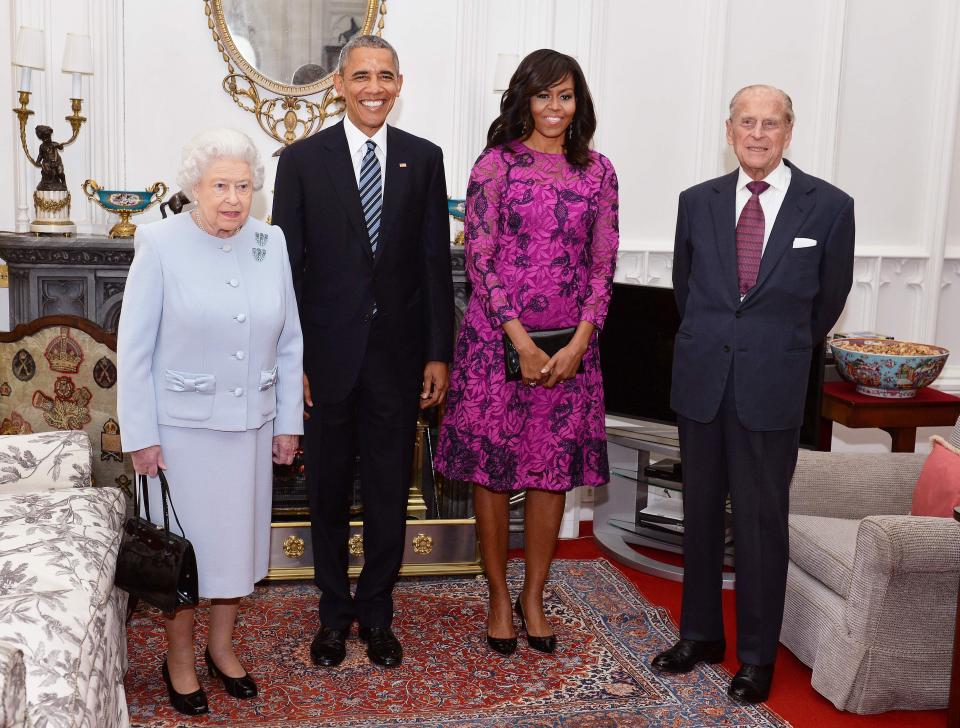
213 144
787 101
366 41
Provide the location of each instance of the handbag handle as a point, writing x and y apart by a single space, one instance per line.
165 498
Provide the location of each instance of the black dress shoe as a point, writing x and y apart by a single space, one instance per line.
329 647
383 647
506 646
685 655
238 687
194 703
545 644
751 684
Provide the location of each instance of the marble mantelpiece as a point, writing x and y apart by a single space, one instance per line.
82 275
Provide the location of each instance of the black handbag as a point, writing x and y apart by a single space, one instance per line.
154 564
550 341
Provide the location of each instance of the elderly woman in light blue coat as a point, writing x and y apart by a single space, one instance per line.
210 389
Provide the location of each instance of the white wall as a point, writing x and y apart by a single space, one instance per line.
874 83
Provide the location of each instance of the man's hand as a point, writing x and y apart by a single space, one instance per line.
307 399
436 380
147 460
284 448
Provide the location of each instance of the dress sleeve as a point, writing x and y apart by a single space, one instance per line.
482 237
136 341
604 241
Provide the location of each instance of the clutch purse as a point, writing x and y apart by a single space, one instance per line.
550 341
154 564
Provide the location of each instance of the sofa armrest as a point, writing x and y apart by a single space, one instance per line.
13 686
903 589
44 461
909 544
854 485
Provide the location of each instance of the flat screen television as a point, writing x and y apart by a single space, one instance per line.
636 357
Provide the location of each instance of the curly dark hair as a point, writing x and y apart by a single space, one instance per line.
538 72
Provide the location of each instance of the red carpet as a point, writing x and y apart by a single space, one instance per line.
792 696
600 676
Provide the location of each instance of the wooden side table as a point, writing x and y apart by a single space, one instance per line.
900 418
953 707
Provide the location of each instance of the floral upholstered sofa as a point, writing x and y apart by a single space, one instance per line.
62 638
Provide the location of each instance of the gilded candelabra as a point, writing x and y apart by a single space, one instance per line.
51 199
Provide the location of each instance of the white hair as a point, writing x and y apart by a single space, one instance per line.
787 101
213 144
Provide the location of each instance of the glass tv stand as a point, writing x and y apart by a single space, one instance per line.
636 508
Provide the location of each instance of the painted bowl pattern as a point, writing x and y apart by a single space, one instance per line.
888 368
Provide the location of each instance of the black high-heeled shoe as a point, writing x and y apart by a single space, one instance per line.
194 703
238 687
506 646
545 644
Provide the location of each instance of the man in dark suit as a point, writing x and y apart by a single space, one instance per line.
363 208
763 262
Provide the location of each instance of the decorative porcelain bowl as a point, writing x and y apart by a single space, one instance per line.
457 209
125 203
888 368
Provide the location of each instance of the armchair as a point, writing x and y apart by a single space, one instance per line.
871 591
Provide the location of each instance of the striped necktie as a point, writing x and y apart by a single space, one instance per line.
371 193
750 230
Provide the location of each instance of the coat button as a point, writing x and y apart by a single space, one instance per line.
726 347
240 355
738 314
226 248
241 317
233 282
238 392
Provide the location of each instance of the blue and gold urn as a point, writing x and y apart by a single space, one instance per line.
124 203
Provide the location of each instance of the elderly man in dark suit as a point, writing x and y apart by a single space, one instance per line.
363 207
763 262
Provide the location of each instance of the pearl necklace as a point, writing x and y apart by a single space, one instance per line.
199 221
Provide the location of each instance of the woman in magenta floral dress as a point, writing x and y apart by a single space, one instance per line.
541 243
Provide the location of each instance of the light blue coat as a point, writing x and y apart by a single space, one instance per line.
209 333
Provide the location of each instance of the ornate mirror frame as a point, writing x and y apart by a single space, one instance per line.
283 112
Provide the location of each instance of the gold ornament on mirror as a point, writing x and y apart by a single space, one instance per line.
283 112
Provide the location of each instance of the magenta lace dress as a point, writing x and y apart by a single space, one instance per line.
541 246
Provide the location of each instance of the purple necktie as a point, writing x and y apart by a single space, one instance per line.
750 229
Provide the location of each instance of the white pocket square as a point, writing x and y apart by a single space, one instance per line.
804 242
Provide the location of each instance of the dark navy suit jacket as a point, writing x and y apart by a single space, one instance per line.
338 281
769 336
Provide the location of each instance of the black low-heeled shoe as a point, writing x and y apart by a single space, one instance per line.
238 687
506 646
542 644
194 703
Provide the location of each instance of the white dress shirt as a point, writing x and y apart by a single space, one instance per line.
357 144
770 199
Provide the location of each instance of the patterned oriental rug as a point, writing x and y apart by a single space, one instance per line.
607 633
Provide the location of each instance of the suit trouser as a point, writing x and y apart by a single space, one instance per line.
755 467
379 420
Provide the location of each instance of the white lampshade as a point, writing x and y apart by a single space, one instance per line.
78 54
506 65
30 48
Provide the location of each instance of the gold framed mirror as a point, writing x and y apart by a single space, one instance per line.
279 54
